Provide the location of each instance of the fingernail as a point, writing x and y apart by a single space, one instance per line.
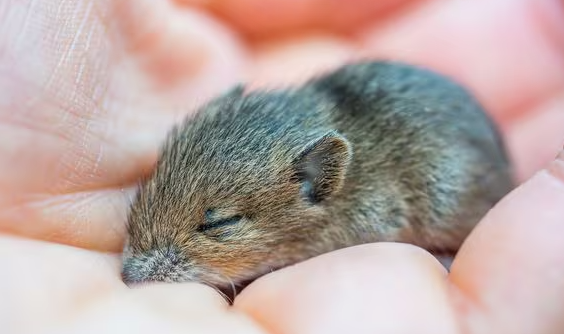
561 154
556 167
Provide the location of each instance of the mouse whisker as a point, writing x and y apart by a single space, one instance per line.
233 288
226 278
218 290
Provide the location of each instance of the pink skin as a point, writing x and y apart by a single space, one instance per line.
88 88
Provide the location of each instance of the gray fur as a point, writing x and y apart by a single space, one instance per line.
373 151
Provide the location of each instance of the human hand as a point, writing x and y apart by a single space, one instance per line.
90 88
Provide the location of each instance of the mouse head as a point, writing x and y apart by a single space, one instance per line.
237 192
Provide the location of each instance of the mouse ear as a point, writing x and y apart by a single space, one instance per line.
321 167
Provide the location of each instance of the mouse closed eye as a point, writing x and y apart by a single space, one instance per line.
221 226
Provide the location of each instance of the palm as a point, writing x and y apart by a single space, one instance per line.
88 93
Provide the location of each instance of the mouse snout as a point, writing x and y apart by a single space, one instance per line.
155 266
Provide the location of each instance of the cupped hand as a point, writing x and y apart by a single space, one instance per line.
89 88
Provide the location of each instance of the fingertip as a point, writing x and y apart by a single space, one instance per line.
159 308
512 265
361 289
532 149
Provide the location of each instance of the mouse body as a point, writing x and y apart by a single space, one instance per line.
371 151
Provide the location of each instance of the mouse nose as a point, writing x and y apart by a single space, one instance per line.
129 276
154 266
132 273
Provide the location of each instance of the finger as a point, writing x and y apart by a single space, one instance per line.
510 53
147 315
93 220
535 137
377 288
512 265
259 18
47 282
166 314
69 290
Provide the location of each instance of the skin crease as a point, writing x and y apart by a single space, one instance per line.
83 107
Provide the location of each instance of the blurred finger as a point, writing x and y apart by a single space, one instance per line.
510 53
259 18
533 138
512 266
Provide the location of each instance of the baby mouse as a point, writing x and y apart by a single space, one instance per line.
372 151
